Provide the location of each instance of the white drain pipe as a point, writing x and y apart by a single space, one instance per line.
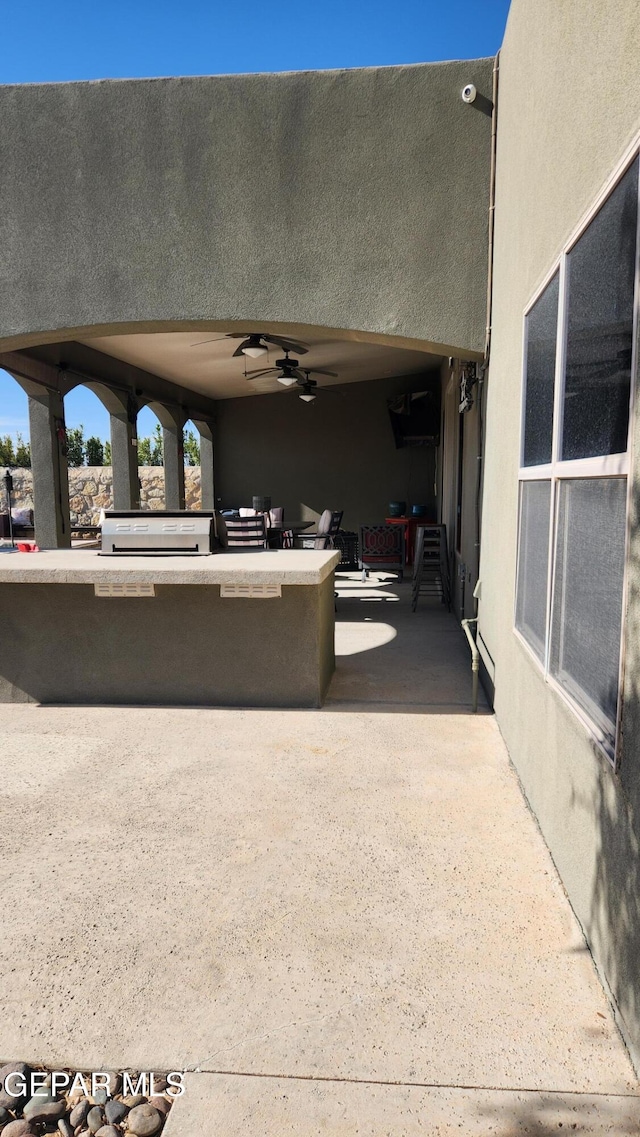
475 661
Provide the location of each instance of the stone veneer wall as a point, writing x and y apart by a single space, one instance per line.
90 490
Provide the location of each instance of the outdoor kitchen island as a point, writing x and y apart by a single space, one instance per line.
243 630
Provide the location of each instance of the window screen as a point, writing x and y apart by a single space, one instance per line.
600 272
533 560
587 606
542 325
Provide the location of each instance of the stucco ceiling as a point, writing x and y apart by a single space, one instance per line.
209 368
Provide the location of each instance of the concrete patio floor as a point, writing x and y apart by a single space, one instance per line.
344 921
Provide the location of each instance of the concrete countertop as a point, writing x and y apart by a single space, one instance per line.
87 566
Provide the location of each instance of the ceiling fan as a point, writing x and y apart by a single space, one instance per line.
256 344
288 373
308 389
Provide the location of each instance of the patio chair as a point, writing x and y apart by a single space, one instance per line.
328 526
273 520
246 534
382 546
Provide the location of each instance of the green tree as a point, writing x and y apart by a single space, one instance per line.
150 449
107 453
191 448
23 452
7 453
95 452
75 446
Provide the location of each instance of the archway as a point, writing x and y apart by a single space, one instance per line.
15 457
191 446
88 446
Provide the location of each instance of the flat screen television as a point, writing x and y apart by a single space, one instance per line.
415 416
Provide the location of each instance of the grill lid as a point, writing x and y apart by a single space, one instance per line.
161 532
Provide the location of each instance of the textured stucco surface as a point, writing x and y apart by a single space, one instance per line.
185 646
88 566
568 109
347 199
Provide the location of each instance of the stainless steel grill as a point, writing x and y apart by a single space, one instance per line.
161 533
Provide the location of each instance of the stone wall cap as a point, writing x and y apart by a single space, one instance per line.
87 566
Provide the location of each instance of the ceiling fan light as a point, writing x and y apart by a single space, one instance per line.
307 398
255 350
287 380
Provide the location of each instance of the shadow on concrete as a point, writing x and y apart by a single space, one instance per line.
543 1114
389 658
612 924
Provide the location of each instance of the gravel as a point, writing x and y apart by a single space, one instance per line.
144 1121
132 1115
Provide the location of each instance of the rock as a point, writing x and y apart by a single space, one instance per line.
144 1120
159 1084
115 1082
115 1110
7 1101
19 1128
43 1107
100 1095
161 1104
79 1112
5 1116
131 1100
108 1131
64 1128
95 1119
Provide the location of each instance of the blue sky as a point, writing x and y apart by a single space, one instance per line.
109 39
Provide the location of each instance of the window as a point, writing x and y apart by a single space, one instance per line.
600 280
579 349
533 563
542 333
587 594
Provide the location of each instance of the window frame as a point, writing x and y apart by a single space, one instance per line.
605 466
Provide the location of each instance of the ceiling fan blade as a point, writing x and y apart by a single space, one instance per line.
317 371
265 371
238 352
287 344
212 340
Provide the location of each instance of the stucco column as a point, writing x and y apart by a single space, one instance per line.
49 470
173 453
124 458
207 482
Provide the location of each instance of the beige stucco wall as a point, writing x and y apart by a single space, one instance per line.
318 198
568 109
